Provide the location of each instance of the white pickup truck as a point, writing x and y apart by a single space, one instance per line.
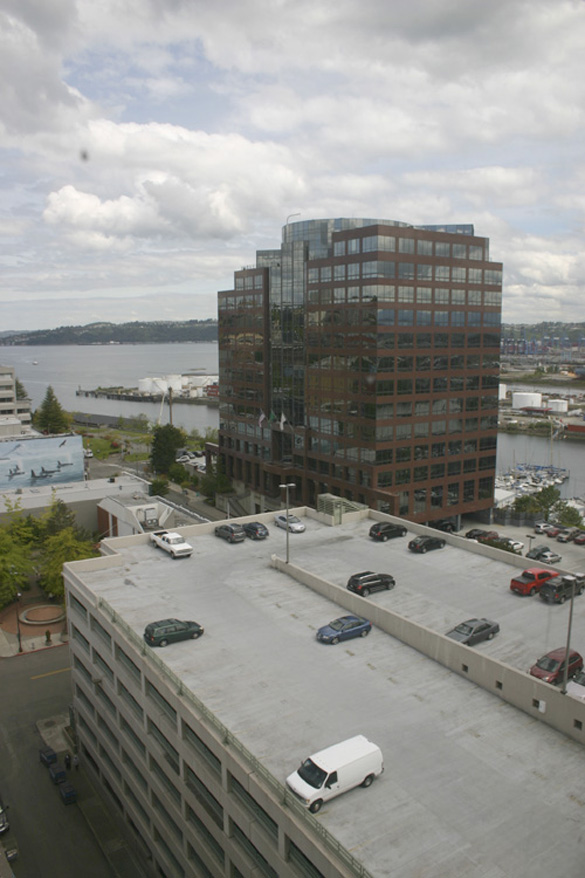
172 543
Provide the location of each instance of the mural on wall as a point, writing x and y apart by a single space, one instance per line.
26 463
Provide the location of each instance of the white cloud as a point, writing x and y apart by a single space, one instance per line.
158 143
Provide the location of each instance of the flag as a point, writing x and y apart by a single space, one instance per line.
282 421
272 417
261 418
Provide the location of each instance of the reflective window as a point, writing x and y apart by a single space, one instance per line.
406 245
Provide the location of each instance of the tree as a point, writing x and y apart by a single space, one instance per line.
15 567
567 515
165 443
546 499
57 517
56 550
159 487
20 389
50 417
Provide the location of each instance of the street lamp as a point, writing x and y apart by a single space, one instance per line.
18 597
568 649
530 537
287 486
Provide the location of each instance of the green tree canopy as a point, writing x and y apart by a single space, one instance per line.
20 389
50 417
166 440
15 567
56 550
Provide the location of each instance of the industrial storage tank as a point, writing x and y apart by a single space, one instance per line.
523 400
558 406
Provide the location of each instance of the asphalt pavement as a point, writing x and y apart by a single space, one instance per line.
35 691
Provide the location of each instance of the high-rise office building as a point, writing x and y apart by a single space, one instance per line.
360 359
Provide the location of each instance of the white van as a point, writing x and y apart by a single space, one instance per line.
328 773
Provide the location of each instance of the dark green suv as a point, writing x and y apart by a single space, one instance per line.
170 630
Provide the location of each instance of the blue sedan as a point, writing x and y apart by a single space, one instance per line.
344 628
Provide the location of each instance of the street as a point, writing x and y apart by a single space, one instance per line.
52 837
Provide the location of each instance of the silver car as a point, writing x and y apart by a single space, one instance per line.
295 525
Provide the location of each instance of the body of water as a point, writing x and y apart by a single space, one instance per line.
68 367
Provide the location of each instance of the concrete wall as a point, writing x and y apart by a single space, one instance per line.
541 700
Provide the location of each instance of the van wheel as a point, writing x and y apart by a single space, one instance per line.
385 538
365 592
316 806
163 642
367 781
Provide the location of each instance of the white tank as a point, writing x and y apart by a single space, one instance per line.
526 400
560 406
502 391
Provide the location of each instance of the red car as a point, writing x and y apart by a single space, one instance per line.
554 531
531 580
579 540
551 667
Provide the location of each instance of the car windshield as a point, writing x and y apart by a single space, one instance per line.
312 774
337 624
293 519
547 664
464 629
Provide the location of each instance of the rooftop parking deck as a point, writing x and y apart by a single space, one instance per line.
472 786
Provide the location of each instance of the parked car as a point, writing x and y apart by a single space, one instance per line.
515 545
295 525
233 533
559 589
385 530
4 824
367 582
550 557
530 581
579 540
554 531
541 527
445 525
344 628
567 536
537 552
475 533
425 544
576 687
170 631
551 667
255 530
474 631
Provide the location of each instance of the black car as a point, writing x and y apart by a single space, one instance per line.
475 533
171 630
233 533
559 589
474 631
367 582
425 544
385 530
255 530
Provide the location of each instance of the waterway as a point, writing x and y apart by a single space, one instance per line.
68 367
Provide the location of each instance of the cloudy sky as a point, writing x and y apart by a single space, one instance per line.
150 147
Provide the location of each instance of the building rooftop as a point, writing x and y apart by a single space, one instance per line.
470 782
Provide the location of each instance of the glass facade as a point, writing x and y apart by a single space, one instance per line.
351 351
